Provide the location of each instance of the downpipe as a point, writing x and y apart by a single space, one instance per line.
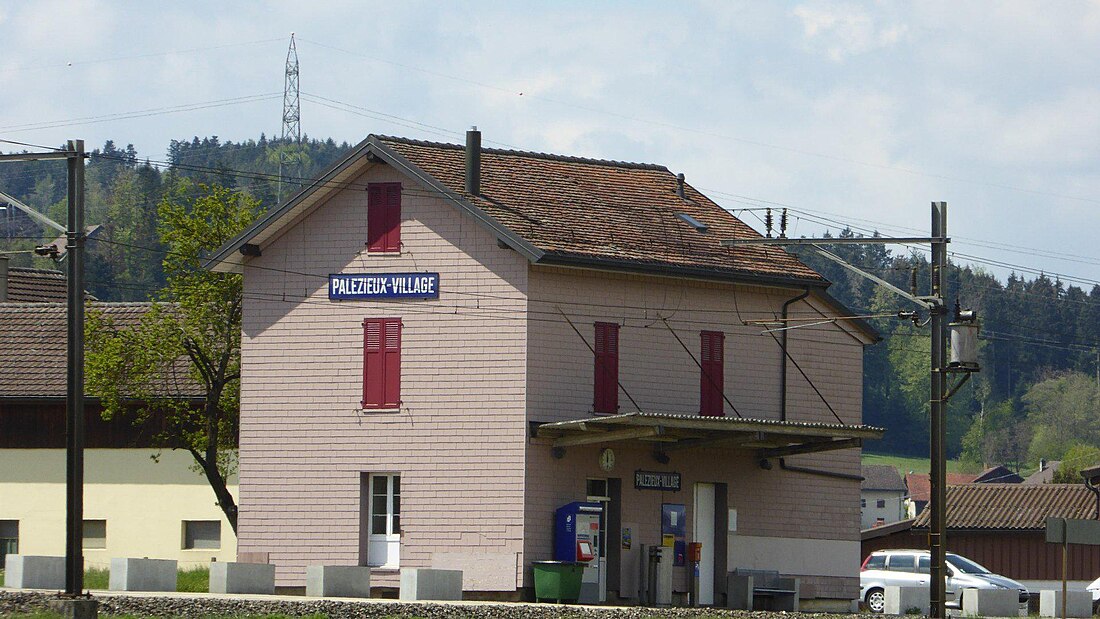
783 355
765 464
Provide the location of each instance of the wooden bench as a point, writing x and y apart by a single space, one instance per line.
744 587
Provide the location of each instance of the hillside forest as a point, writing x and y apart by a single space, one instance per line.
1036 396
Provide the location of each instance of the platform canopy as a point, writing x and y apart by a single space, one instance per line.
769 437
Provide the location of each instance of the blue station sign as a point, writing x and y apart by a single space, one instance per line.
374 286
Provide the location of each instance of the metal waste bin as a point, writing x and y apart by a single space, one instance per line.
557 581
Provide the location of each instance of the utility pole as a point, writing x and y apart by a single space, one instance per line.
74 425
937 455
292 125
939 368
73 604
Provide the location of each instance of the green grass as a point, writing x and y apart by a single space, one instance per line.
52 615
97 578
194 580
905 464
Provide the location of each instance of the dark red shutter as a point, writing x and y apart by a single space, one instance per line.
712 376
381 363
384 217
606 383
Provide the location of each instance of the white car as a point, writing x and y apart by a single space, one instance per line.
1094 589
910 568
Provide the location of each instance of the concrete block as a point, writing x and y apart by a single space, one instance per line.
230 577
142 574
991 602
346 581
34 572
86 608
899 600
429 584
1078 603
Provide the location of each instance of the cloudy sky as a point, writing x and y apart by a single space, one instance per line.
857 113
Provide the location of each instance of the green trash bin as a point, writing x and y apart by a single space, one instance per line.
557 581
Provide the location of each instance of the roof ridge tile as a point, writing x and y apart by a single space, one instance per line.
615 163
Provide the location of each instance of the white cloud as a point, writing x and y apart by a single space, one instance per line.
843 30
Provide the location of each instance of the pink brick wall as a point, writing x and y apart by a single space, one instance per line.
472 484
458 440
657 372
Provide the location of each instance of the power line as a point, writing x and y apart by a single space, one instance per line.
31 145
140 56
700 132
188 107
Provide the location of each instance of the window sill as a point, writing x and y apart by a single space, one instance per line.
381 254
385 569
383 411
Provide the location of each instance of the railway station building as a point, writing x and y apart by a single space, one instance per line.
444 345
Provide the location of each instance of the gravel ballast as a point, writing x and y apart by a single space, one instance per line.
196 606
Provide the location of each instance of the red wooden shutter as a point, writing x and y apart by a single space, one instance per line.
606 383
712 376
384 217
381 363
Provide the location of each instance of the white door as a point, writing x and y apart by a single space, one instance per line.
385 521
703 529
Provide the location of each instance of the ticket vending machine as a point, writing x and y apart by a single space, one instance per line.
577 538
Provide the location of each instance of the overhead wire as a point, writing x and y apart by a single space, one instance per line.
187 107
88 61
692 130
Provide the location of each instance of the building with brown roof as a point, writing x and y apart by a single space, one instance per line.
1002 526
443 345
882 496
135 506
1045 474
920 489
999 474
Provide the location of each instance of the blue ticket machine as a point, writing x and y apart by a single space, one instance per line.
577 538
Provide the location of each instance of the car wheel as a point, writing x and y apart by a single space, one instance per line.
876 600
1096 607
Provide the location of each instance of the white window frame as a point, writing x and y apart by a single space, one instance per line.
384 549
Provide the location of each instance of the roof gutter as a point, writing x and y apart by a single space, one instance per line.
668 270
1093 489
820 473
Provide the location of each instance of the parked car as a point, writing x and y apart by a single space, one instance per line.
910 568
1094 589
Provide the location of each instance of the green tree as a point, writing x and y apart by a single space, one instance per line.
1063 411
997 436
188 343
1077 457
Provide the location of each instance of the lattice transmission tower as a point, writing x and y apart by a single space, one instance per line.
290 157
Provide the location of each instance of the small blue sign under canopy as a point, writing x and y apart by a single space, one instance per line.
374 286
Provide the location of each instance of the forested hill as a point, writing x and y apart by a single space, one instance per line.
123 190
1035 397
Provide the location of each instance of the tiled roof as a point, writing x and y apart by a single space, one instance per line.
920 486
999 474
1013 506
36 286
589 210
1044 476
33 347
881 477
